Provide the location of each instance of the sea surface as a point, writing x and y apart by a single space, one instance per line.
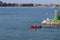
14 23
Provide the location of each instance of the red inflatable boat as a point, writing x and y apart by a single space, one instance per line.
34 26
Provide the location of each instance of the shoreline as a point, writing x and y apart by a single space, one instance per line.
4 4
28 7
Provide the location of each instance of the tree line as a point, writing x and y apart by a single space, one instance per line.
4 4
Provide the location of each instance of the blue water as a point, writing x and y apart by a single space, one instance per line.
14 24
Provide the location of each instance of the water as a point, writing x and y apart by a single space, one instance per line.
14 24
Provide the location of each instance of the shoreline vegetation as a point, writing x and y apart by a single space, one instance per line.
4 4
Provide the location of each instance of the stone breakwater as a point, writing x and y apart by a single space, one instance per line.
51 22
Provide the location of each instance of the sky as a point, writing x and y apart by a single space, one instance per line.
33 1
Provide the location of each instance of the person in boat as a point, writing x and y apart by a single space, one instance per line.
48 19
35 26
